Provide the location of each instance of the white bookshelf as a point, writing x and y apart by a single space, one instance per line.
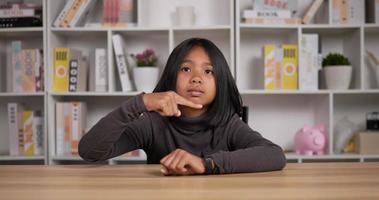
277 115
31 37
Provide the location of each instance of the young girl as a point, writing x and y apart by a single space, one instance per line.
190 124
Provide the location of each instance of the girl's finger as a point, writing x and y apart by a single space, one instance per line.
182 101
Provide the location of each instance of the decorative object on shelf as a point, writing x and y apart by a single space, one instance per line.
367 142
146 72
372 121
343 132
311 140
337 71
374 65
185 15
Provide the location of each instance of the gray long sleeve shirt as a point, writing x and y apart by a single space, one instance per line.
234 147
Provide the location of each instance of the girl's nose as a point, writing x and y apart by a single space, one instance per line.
196 80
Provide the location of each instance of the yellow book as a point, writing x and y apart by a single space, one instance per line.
290 67
61 69
269 66
27 121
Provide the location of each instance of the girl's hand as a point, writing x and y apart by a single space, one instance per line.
180 162
166 103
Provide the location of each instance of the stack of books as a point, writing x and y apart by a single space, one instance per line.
71 70
25 69
25 128
280 67
119 13
20 15
271 12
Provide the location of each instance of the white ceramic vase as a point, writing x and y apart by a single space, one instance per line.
145 78
338 77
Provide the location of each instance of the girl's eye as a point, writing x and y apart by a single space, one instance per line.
208 71
185 69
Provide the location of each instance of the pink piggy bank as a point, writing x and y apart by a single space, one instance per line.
310 140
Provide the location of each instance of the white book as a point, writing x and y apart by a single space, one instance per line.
98 71
82 13
38 133
63 13
277 5
13 121
59 128
122 67
309 62
78 124
266 13
356 11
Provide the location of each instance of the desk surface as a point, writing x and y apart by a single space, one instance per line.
296 181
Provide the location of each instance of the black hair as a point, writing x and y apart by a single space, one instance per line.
227 100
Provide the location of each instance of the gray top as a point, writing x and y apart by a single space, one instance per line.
234 147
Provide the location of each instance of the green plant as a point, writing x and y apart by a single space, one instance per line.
333 59
146 58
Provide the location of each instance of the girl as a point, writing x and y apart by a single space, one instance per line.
190 124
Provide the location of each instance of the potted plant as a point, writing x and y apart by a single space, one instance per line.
146 71
337 71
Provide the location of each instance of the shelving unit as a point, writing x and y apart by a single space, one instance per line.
294 109
277 115
31 37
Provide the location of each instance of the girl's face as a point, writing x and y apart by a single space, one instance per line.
196 81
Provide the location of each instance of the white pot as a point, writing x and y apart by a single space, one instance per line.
338 77
145 78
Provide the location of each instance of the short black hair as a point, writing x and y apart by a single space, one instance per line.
227 101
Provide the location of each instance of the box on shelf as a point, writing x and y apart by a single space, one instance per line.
372 11
367 142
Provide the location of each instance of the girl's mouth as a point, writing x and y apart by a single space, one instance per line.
195 92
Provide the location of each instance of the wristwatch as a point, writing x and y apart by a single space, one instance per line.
210 166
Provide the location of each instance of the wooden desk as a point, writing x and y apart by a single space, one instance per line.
296 181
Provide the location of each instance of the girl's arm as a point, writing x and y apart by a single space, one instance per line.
250 152
122 130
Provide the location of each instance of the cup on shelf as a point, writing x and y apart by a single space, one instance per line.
185 15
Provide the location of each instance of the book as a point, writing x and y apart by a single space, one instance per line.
28 62
62 57
123 71
78 122
98 78
59 19
27 120
348 12
39 71
290 67
78 74
312 11
82 13
309 62
272 21
249 13
275 5
372 11
269 66
17 10
20 22
16 65
38 133
59 128
71 13
13 123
